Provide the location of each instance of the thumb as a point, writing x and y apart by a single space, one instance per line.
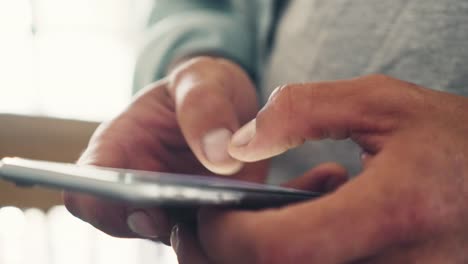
337 110
212 98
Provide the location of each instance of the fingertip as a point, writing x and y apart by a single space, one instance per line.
226 169
108 216
250 145
238 147
244 135
255 151
215 149
215 144
211 151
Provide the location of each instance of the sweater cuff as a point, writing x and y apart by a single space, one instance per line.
191 33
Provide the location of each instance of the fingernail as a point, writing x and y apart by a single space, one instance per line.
140 223
244 135
215 146
175 238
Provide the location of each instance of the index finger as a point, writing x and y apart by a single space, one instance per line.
313 111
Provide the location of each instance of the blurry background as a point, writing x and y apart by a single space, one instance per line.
65 66
68 58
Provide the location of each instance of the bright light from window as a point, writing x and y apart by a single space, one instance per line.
33 236
12 222
16 71
82 76
15 16
68 58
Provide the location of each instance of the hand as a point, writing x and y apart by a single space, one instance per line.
181 124
324 179
409 204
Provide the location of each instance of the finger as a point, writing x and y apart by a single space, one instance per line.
337 110
111 217
256 238
118 220
186 246
104 215
347 225
209 109
323 178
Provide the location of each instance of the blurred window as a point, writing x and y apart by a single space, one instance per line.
58 237
68 58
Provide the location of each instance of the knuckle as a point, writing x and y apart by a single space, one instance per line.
281 92
196 65
152 87
274 93
379 78
380 85
281 98
386 84
400 97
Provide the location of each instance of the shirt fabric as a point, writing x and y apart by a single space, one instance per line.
235 29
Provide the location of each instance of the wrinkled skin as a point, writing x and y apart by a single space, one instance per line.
163 130
409 204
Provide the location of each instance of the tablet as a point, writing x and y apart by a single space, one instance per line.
149 188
